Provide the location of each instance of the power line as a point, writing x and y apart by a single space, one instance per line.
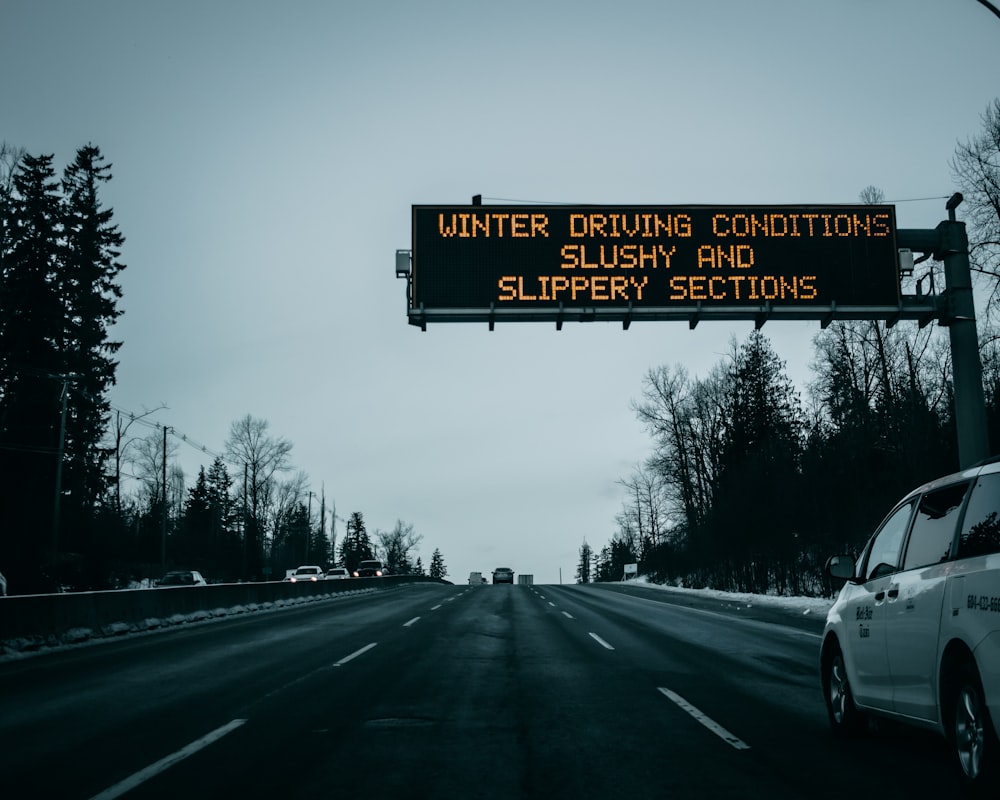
188 440
918 199
133 417
562 203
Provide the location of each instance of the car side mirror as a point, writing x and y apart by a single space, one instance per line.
841 567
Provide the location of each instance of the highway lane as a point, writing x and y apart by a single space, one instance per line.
428 690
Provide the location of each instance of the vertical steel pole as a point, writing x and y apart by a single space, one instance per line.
960 317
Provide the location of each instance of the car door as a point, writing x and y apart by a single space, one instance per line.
915 601
865 609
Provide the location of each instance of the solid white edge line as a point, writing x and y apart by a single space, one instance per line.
144 775
355 654
601 642
408 624
707 721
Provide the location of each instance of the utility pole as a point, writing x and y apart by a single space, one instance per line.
163 538
322 515
309 516
246 522
59 465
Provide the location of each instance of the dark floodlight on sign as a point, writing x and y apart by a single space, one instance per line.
540 261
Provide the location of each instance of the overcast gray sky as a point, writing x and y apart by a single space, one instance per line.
266 156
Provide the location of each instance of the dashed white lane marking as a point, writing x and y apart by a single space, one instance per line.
355 654
552 604
601 642
567 615
435 608
144 775
708 722
408 624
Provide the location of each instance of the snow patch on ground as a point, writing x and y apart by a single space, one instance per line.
805 605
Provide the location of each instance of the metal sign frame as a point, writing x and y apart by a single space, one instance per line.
649 263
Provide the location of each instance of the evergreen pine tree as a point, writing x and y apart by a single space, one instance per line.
57 285
437 568
583 568
90 292
32 367
191 540
760 477
356 545
225 548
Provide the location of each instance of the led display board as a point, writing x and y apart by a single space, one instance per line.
527 262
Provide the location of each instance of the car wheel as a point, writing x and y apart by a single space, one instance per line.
845 719
972 735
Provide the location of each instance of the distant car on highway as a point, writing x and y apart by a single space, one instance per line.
337 573
182 577
503 575
304 573
369 568
914 634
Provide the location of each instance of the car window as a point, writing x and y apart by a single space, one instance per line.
981 528
883 554
934 527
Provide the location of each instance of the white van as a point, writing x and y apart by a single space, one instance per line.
915 631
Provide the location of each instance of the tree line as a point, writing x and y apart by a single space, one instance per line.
750 488
86 503
751 485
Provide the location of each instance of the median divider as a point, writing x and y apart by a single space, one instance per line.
31 622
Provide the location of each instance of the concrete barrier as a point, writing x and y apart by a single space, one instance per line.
28 622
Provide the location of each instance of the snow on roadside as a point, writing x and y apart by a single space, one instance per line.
804 605
25 647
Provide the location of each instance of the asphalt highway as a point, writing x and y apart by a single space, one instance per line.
434 691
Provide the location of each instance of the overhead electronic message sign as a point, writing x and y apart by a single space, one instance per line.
530 262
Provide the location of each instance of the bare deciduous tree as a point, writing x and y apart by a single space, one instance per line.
261 457
396 545
976 169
